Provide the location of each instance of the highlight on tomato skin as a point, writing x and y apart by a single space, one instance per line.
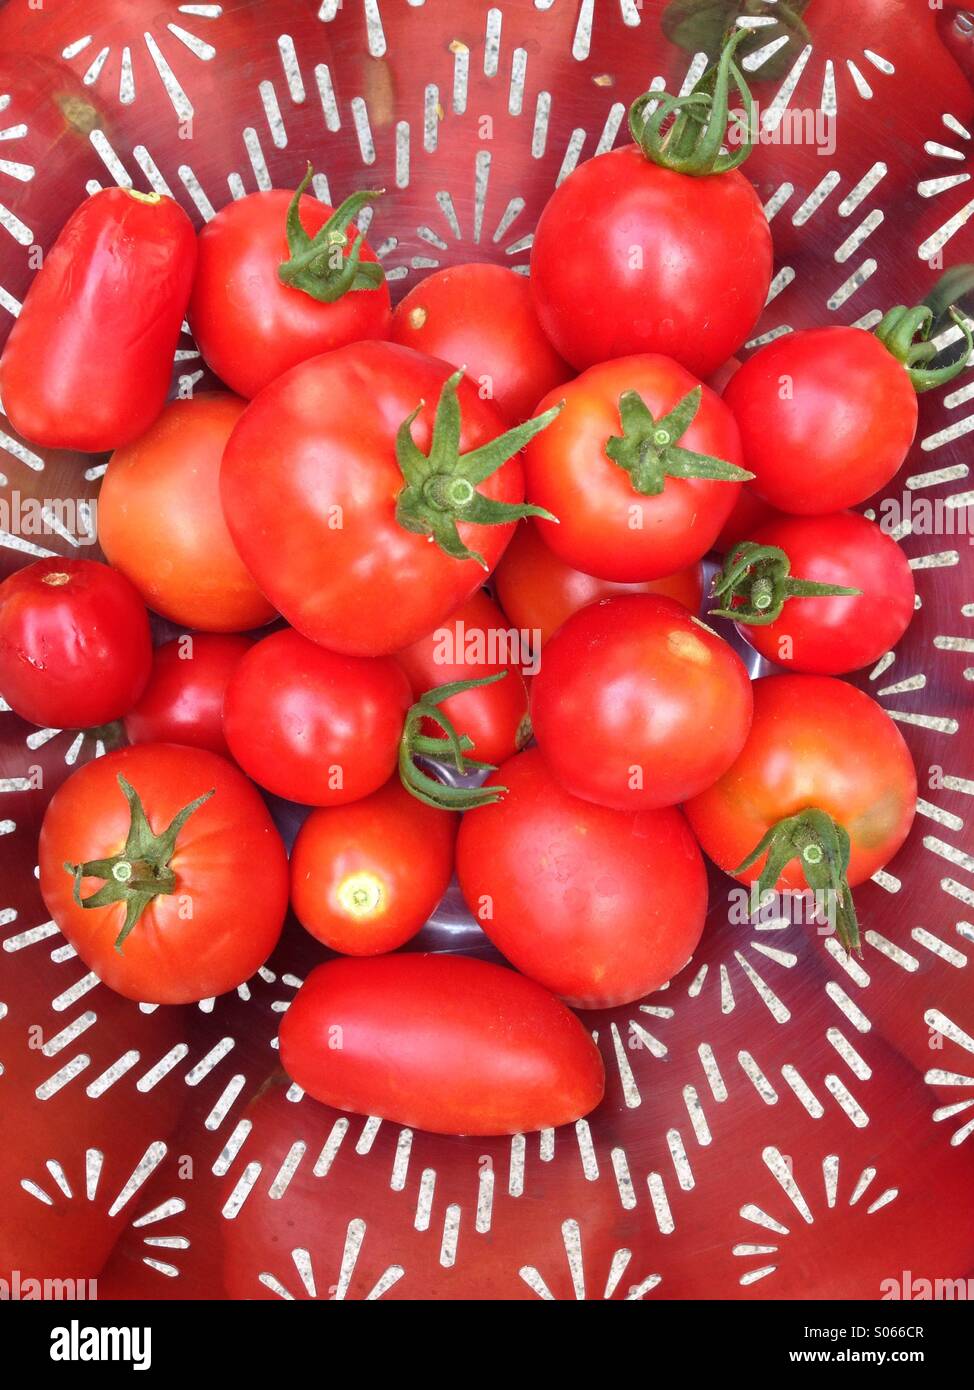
183 699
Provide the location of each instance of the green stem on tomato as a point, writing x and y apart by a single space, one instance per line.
756 583
450 747
319 265
649 450
898 331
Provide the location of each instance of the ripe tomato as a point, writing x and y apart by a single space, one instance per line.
477 1049
827 635
365 877
599 906
165 907
281 278
748 513
75 649
183 701
641 468
332 504
161 523
638 704
481 318
112 291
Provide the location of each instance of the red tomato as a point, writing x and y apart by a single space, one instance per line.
626 506
183 701
638 704
180 917
748 513
599 906
161 523
328 524
481 318
75 649
311 725
109 300
365 877
250 324
477 1049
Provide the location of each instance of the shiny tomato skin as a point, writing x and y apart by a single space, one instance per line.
629 258
75 647
311 725
844 377
638 704
568 472
365 877
249 326
830 636
160 520
441 1043
230 866
481 318
183 701
110 298
814 741
309 485
599 906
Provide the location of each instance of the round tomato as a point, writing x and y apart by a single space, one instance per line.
365 877
638 704
183 701
162 867
599 906
75 649
161 523
641 468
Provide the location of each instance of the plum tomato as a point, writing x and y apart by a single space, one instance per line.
183 701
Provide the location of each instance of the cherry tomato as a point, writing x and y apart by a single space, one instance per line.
365 877
183 701
186 908
477 1049
112 291
638 704
161 523
481 318
599 906
75 649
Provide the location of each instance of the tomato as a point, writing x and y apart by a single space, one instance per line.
748 513
183 701
112 291
442 1043
264 299
638 704
599 906
179 886
831 634
75 649
641 468
365 877
160 520
481 318
332 504
816 745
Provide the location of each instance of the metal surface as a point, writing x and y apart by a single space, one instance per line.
780 1121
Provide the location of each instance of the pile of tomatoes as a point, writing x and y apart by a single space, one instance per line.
320 532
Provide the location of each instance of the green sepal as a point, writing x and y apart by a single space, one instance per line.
318 265
648 450
898 330
451 747
759 577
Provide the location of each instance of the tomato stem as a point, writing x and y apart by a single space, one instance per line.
898 330
756 583
648 450
319 265
450 748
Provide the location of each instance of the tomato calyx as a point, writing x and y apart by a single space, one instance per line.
649 452
898 330
441 486
141 871
318 265
449 748
756 583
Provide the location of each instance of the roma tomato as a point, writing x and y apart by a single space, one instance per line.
352 489
481 318
599 906
112 291
183 701
162 867
638 704
160 520
478 1049
365 877
75 649
824 594
641 468
281 278
822 795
